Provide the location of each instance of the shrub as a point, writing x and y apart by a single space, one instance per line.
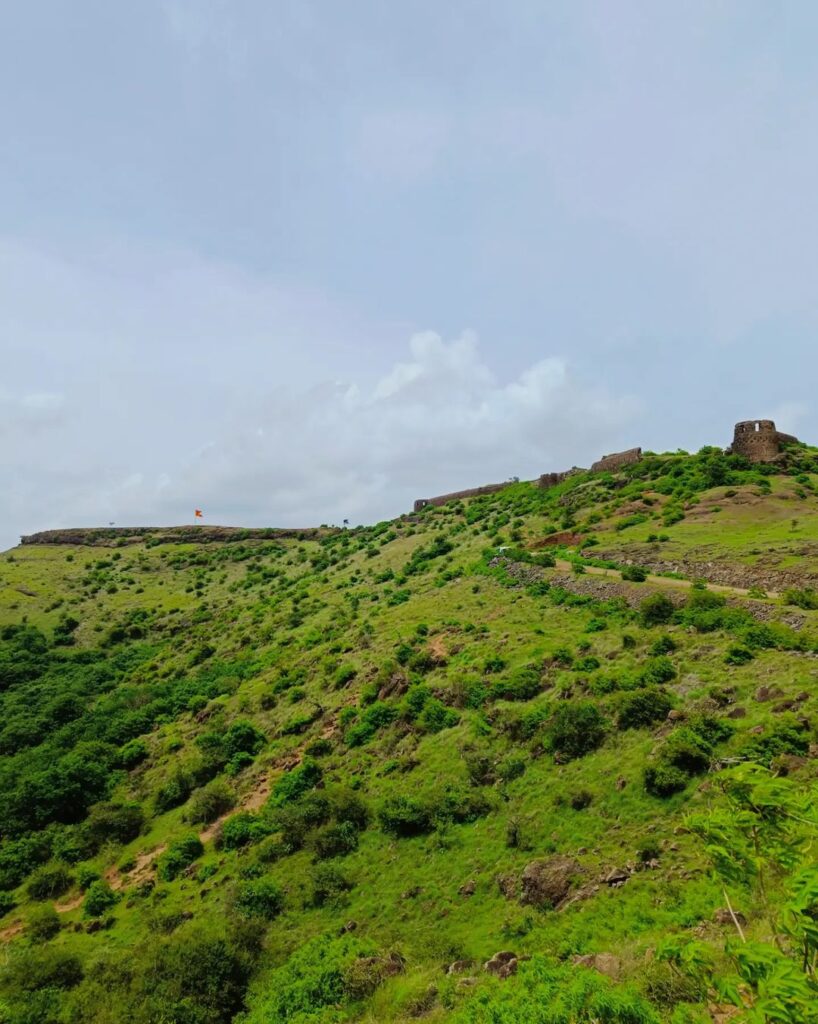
805 598
132 753
511 768
179 856
241 830
113 822
7 903
336 841
174 792
43 969
436 716
656 610
657 671
243 737
295 783
575 728
259 897
643 707
209 803
738 655
329 883
43 923
49 882
85 876
523 684
404 816
99 898
634 574
664 645
581 799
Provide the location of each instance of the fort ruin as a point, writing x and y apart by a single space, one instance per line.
759 441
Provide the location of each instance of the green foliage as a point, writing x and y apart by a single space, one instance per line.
558 995
314 979
643 708
296 782
656 610
99 898
49 882
179 856
258 897
575 728
43 923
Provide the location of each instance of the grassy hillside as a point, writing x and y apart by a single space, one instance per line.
328 777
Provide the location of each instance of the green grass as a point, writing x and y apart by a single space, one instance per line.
296 637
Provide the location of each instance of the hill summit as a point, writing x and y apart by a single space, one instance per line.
544 752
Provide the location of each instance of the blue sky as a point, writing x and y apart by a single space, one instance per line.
299 262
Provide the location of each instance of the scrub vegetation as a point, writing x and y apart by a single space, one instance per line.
542 756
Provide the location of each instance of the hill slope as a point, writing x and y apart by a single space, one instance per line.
328 777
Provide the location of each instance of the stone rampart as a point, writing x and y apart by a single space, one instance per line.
472 492
611 463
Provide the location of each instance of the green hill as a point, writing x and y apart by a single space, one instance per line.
545 755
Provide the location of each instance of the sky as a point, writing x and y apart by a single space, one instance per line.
298 262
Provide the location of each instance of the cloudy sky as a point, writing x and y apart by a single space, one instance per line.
301 261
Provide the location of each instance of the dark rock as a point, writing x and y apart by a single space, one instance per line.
545 883
616 877
460 967
503 964
737 712
468 888
723 916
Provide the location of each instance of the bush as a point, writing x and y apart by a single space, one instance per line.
634 574
404 816
243 738
336 841
664 645
113 822
329 883
737 655
7 903
209 803
43 969
179 856
43 923
99 898
49 882
657 671
241 830
656 610
523 684
575 728
436 716
805 598
643 707
259 897
295 783
174 792
132 753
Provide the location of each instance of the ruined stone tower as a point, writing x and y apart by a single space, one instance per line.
759 441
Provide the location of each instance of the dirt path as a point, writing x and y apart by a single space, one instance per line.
663 581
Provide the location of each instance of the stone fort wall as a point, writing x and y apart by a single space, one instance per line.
759 441
610 463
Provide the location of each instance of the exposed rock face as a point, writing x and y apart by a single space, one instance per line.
546 883
759 441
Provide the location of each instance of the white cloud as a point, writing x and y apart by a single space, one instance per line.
436 422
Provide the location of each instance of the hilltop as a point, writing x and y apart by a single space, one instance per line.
543 753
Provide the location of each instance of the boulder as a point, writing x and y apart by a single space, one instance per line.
723 916
459 967
503 964
604 963
468 888
546 883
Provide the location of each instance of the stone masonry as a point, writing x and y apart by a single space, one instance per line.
759 441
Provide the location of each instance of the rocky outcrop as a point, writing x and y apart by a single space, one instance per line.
546 883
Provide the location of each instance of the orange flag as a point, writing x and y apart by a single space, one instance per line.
198 513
